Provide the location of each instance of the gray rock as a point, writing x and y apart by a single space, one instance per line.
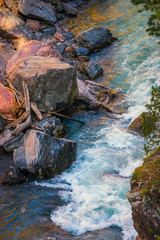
6 53
37 9
91 69
2 124
52 83
48 31
14 143
61 48
14 176
51 126
82 51
95 39
69 9
43 155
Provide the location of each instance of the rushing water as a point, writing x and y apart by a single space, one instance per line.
91 195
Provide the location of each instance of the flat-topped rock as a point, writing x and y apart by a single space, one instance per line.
52 83
37 9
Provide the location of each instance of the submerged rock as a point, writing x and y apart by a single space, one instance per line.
52 83
95 39
43 155
51 126
144 197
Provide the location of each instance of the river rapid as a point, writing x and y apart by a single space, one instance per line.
89 200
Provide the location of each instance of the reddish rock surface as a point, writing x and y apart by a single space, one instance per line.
33 48
8 104
33 25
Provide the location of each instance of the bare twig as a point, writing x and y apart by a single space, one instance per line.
18 121
36 110
28 121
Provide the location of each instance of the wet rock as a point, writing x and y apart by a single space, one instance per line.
91 69
6 53
2 124
69 9
52 83
14 28
95 39
33 25
82 51
14 143
14 176
37 9
96 96
33 48
136 125
51 126
43 155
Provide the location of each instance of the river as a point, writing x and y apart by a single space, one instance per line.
89 200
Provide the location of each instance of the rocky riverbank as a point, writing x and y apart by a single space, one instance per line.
145 197
45 69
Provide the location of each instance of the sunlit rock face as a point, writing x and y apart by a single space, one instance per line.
12 27
52 83
33 48
43 155
35 9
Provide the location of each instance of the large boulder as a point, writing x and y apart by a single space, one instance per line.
44 156
95 39
52 83
33 48
37 9
13 28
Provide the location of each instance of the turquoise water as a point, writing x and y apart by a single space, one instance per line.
91 195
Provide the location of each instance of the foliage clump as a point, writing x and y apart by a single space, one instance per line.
154 19
151 122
